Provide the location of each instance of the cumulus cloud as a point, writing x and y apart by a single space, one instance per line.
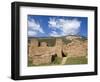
53 23
31 33
65 26
34 28
54 34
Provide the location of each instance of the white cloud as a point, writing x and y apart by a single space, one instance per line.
32 33
34 28
54 34
52 23
66 26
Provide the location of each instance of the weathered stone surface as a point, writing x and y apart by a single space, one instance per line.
37 60
43 54
72 37
58 47
75 48
43 44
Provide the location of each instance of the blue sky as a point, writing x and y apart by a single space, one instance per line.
56 26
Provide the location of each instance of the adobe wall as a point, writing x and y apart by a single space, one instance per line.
75 49
43 54
39 60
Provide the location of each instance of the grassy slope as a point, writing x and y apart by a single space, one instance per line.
76 60
69 61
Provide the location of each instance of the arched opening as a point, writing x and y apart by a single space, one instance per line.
38 44
53 57
63 55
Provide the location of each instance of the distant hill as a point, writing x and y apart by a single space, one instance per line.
72 36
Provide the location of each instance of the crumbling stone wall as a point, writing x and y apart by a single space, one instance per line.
43 44
43 54
58 47
32 45
75 49
72 37
38 60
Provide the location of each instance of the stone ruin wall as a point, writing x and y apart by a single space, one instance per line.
42 54
38 60
75 49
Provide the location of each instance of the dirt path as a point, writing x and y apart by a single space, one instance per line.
64 60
